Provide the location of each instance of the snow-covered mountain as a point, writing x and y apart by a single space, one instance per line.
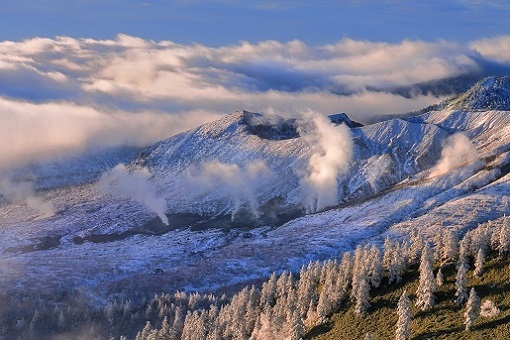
492 93
234 194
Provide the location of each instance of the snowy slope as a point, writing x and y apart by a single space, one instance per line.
100 242
405 148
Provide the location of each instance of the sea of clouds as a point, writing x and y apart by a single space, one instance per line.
66 95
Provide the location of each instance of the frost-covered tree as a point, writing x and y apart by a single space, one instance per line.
494 240
425 293
178 324
264 328
388 250
450 247
268 291
346 267
297 328
403 330
194 326
504 237
480 238
489 309
326 302
359 271
439 278
480 262
164 332
343 279
144 333
463 251
461 280
472 309
397 265
375 266
362 295
416 247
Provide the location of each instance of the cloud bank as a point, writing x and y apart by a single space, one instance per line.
64 95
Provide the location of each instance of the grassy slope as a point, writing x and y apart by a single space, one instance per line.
444 321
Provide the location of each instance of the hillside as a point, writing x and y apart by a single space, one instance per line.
444 321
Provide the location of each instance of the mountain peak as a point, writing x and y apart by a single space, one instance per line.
342 117
491 93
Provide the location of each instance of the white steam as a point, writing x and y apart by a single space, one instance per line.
134 185
23 193
457 151
330 158
238 183
376 167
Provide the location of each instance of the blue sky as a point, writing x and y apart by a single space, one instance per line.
223 22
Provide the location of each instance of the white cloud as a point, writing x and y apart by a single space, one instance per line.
65 94
497 48
37 132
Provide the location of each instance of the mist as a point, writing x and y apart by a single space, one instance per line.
134 185
32 132
237 183
332 152
23 193
457 151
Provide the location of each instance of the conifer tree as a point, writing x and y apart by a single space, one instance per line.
306 291
375 266
144 333
472 309
461 282
362 295
61 321
397 265
425 293
325 305
416 247
480 262
439 278
345 274
504 237
268 292
403 330
388 249
359 271
297 329
213 325
164 331
450 247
